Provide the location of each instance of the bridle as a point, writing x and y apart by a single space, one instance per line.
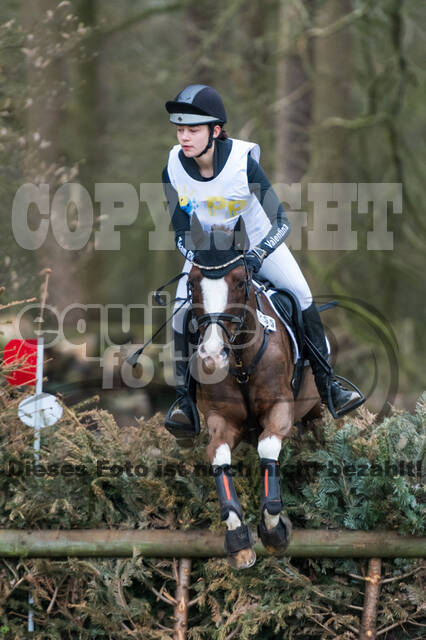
207 319
241 373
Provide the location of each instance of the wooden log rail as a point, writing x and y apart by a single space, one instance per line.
199 543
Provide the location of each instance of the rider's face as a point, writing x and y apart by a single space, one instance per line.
193 139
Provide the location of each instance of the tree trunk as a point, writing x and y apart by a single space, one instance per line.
332 93
182 599
45 156
89 119
371 599
293 105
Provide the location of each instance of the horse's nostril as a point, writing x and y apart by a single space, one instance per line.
208 364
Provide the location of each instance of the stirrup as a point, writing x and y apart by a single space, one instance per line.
351 407
178 429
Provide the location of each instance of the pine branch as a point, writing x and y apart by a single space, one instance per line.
234 633
322 625
166 575
404 575
408 620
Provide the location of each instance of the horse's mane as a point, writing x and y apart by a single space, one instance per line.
221 251
217 247
222 227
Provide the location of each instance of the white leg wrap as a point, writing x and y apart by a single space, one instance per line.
270 521
233 521
269 447
222 455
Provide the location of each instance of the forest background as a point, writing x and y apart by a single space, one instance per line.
332 90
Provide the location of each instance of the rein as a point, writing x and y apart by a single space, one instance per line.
133 359
239 372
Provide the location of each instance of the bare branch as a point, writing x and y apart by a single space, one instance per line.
354 123
338 25
135 19
404 575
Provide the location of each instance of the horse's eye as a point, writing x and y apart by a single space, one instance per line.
241 284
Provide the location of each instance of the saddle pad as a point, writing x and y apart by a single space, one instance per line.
295 348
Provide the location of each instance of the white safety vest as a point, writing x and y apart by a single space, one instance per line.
223 199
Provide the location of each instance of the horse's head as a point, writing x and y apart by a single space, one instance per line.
220 287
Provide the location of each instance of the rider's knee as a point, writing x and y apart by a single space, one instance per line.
179 318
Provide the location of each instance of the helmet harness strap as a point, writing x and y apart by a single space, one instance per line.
210 141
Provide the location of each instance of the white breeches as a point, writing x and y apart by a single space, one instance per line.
280 268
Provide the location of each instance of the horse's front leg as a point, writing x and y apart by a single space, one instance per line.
238 538
274 528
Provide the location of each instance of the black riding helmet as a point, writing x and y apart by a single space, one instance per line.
197 104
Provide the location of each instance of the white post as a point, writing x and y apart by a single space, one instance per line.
37 428
38 390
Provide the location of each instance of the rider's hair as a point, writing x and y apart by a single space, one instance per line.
223 135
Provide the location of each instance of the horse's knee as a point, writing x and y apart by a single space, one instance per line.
224 437
279 419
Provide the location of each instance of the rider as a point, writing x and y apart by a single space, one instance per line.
219 179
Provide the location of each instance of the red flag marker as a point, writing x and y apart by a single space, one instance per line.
25 352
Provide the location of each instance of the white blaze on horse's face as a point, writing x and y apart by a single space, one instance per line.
215 298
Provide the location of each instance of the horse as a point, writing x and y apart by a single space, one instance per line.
244 373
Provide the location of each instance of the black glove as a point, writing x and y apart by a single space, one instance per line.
254 258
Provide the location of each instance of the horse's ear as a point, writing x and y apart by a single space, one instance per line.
241 239
199 238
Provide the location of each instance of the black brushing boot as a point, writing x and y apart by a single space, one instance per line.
276 539
338 399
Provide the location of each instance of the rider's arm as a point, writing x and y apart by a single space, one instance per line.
180 220
261 187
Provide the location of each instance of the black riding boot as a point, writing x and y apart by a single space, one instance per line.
182 419
331 392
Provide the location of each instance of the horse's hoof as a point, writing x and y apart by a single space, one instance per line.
243 559
238 547
276 539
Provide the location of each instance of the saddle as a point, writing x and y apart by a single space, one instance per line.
288 308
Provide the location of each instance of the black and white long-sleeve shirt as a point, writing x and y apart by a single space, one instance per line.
258 183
